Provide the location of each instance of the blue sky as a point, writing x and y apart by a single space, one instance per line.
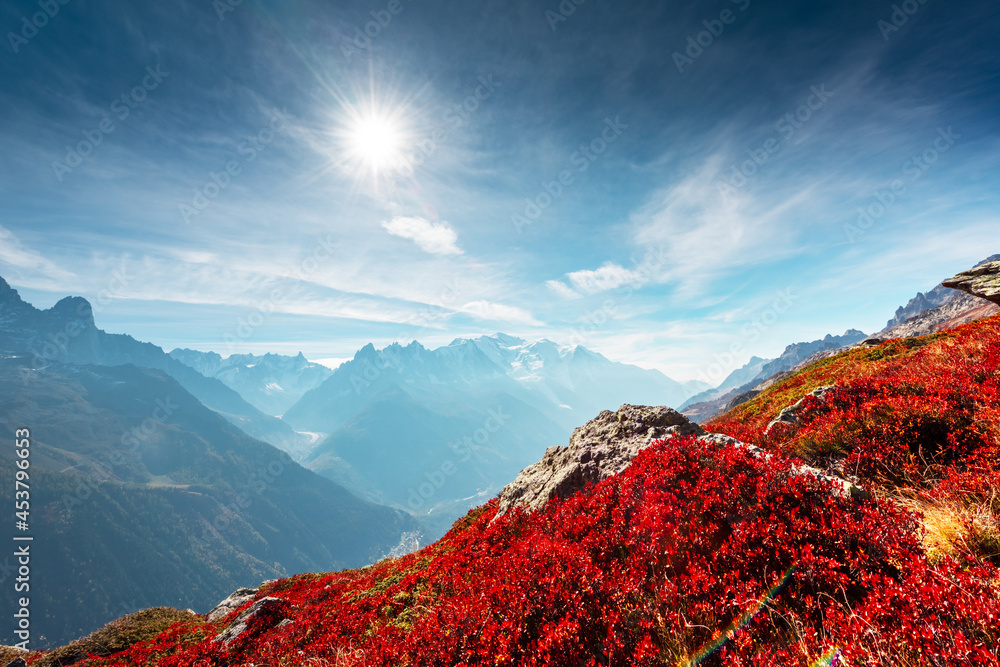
666 183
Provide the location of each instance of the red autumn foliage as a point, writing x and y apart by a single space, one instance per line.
688 548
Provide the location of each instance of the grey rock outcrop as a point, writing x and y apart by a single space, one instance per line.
265 608
236 600
597 450
606 445
982 281
792 413
960 309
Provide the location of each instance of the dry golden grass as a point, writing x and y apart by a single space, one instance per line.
951 527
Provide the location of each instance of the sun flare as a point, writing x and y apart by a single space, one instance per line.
377 142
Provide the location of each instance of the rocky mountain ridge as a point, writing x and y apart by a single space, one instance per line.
272 383
709 404
67 333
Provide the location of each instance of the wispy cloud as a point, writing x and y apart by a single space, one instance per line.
563 291
498 312
707 235
437 238
30 266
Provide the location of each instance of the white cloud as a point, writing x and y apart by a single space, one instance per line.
29 266
708 235
437 238
498 312
609 276
562 290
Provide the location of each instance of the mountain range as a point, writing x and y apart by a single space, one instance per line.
939 309
272 383
845 514
936 310
710 403
67 333
439 431
168 458
142 496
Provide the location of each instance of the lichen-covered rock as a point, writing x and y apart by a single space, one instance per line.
982 281
790 415
236 600
597 450
262 615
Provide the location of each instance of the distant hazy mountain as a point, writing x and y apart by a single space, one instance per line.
457 422
141 496
737 378
67 333
272 383
563 382
708 404
748 372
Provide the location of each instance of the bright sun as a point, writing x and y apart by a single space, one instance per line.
377 142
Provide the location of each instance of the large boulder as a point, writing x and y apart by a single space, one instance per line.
262 615
236 600
982 281
606 445
597 450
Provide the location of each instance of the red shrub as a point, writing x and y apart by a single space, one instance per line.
696 553
646 569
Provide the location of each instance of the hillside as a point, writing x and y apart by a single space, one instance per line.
710 403
142 497
67 333
702 551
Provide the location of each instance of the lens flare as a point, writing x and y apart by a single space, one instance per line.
730 632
